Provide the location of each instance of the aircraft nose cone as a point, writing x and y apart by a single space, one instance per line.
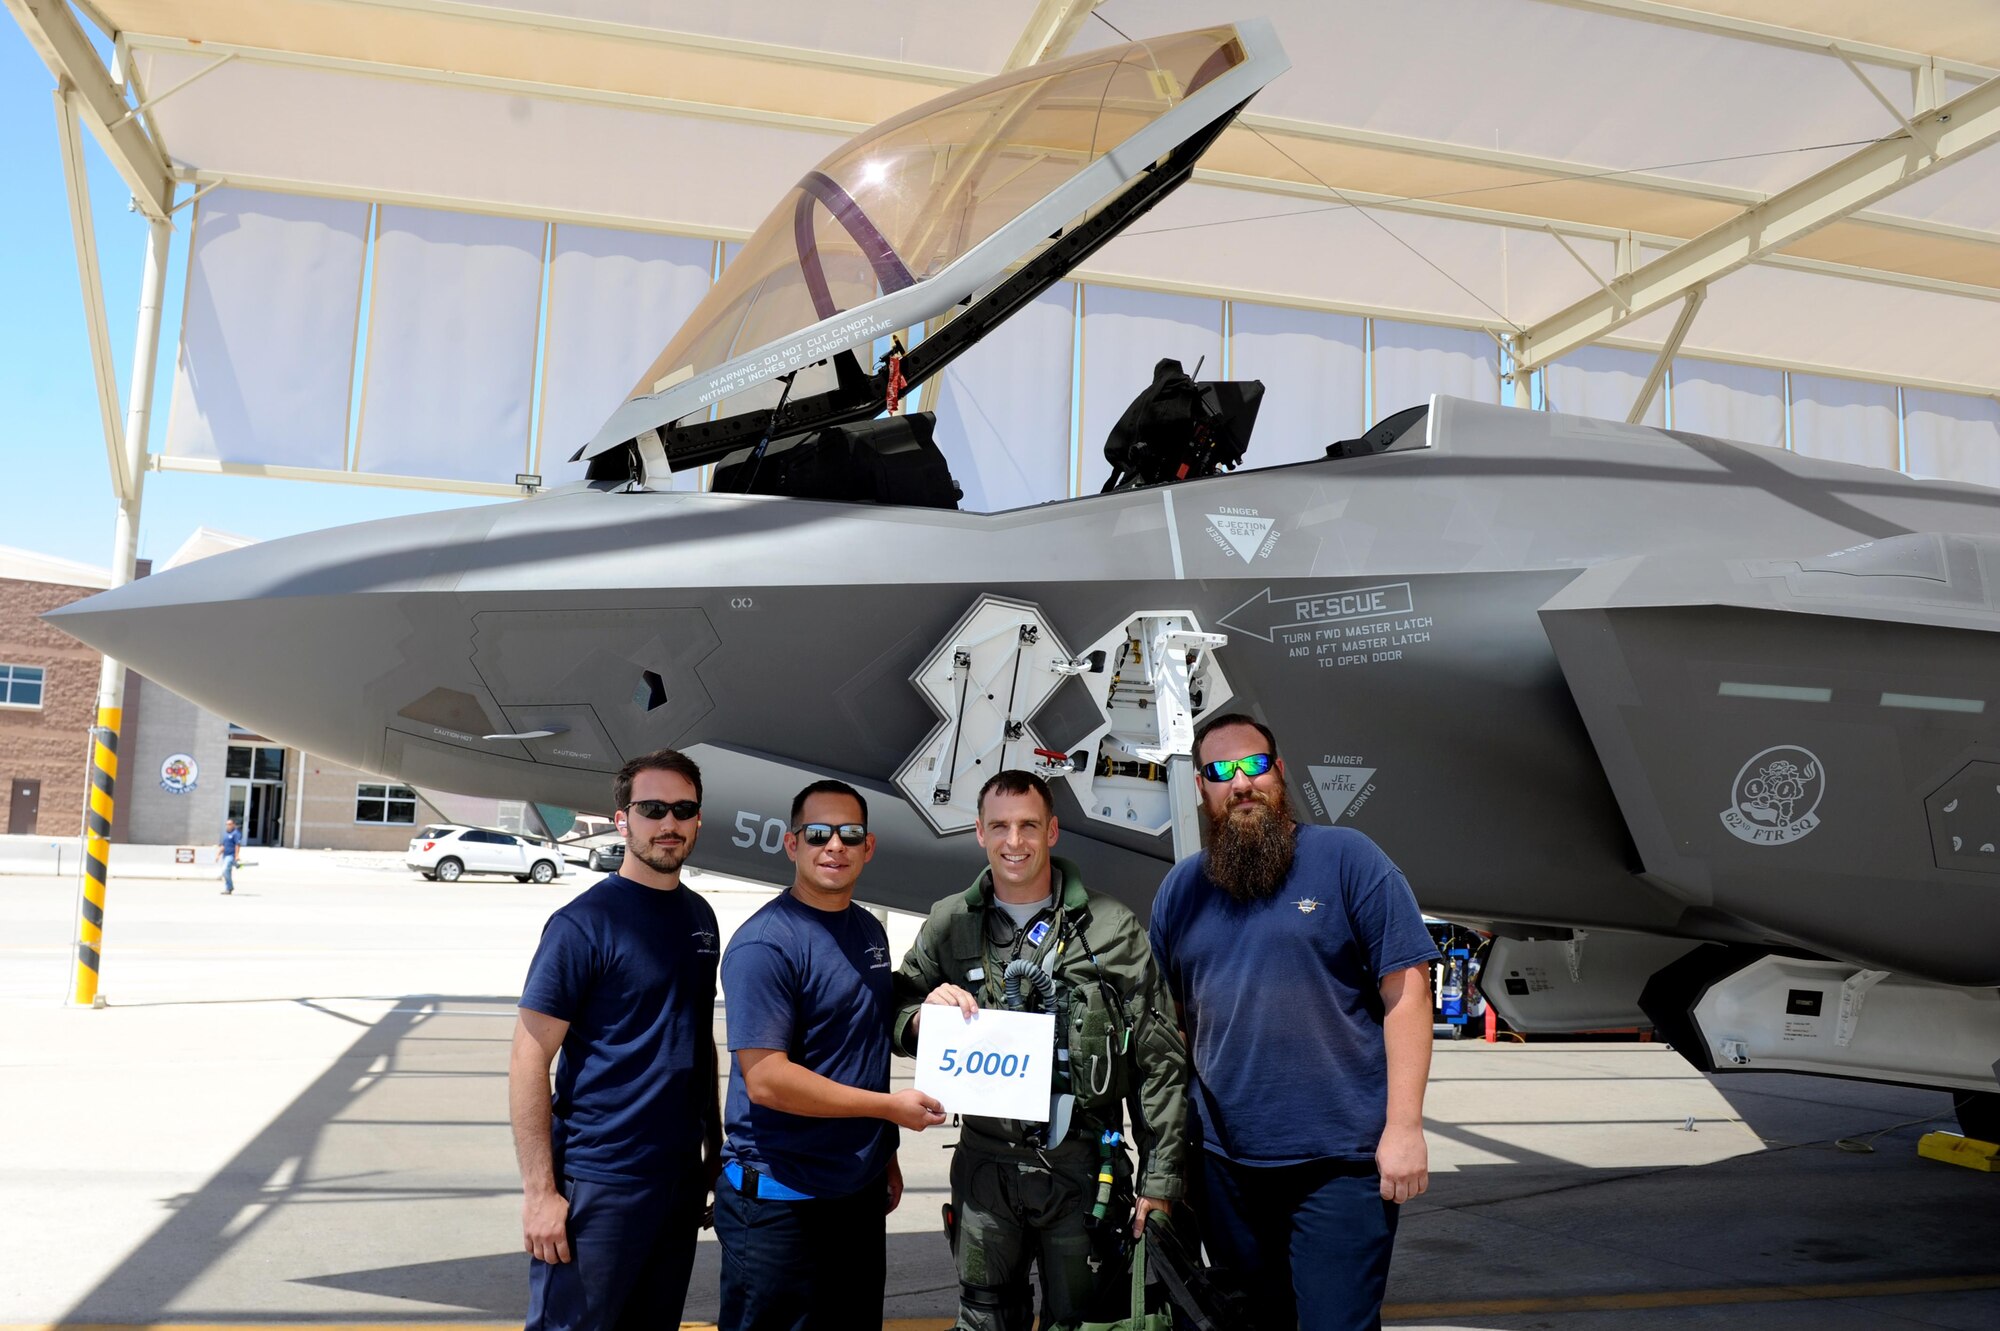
283 637
114 622
226 653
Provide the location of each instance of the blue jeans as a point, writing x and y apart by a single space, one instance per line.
631 1249
816 1265
1308 1243
228 873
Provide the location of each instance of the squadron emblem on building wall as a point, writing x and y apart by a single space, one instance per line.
178 774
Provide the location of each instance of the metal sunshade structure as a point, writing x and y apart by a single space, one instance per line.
1523 167
1797 176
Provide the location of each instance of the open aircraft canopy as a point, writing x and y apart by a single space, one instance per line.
924 211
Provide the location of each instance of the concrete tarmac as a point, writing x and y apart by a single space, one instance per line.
292 1112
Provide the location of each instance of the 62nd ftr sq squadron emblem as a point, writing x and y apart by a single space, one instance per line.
1776 797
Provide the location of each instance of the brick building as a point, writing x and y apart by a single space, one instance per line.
48 695
182 769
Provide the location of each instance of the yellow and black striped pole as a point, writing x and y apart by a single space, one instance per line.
96 853
130 491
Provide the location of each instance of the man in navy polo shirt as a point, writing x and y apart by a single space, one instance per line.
1300 963
811 1172
616 1170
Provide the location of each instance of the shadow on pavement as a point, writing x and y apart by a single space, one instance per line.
338 1209
287 1213
385 1192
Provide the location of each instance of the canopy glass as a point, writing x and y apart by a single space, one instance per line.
899 205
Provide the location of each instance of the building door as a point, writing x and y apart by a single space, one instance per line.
22 806
257 793
267 808
258 808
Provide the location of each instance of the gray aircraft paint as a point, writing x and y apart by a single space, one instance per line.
1519 630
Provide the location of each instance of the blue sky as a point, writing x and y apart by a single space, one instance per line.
55 492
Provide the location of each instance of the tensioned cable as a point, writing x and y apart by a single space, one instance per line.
1385 228
1346 202
1516 184
1329 188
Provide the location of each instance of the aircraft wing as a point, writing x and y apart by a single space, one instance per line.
1791 739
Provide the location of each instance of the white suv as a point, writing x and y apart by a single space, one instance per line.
450 852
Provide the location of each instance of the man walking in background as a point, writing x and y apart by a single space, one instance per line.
811 1171
231 847
617 1167
1300 963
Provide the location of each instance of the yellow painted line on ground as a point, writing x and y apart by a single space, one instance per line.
1690 1298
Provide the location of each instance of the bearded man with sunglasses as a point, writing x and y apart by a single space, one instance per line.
1023 1194
811 1173
1300 963
618 1166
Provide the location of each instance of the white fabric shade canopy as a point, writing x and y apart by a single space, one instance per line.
1428 176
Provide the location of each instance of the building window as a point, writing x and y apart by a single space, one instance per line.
20 686
375 803
249 762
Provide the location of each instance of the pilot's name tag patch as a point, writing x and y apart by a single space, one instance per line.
1038 933
997 1065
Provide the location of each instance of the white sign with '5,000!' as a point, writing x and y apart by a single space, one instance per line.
998 1065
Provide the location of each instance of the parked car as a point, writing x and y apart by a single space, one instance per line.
447 851
607 858
590 832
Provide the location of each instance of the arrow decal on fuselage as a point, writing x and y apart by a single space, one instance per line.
1264 614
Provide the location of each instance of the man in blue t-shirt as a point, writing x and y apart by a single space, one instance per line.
810 1174
231 847
1301 966
618 1166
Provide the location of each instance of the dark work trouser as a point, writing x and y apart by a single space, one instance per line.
1016 1210
631 1249
1309 1244
816 1265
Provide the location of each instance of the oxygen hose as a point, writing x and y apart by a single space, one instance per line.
1038 979
1044 985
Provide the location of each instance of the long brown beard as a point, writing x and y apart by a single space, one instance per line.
1250 849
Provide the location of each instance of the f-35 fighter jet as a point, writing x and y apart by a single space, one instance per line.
1708 735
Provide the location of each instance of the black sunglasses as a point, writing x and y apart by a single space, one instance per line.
818 834
684 810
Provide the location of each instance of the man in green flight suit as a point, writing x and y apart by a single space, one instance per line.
1024 1193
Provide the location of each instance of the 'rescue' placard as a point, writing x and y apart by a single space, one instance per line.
998 1065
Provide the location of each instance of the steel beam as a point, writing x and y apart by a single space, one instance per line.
328 475
53 31
1048 32
1960 127
1772 34
90 280
1661 363
1458 154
